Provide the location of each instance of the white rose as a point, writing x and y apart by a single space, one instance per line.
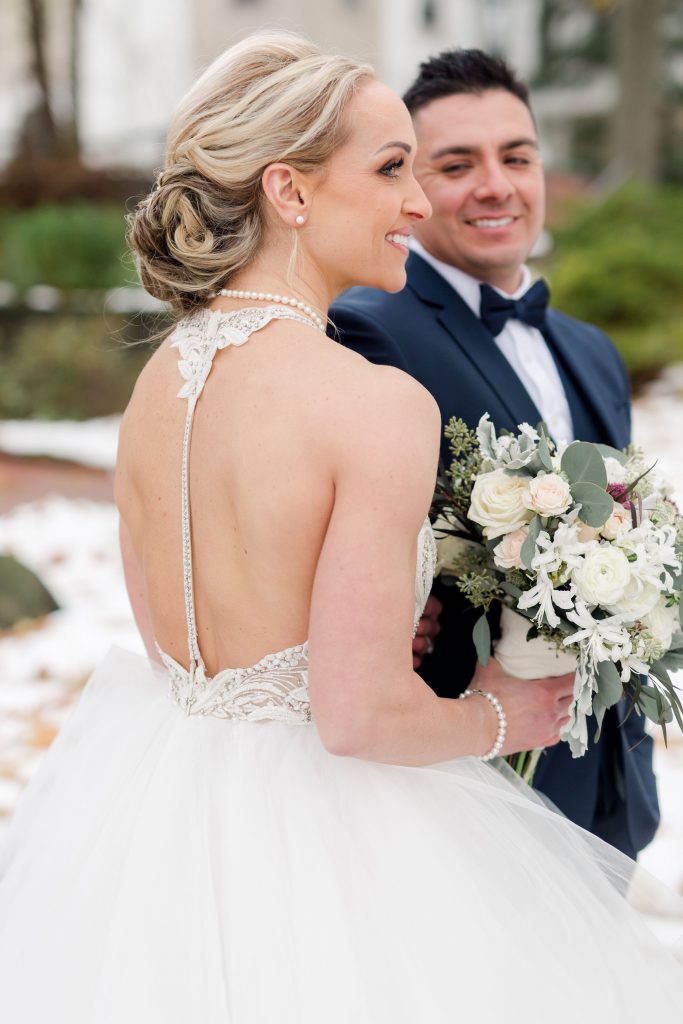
499 502
638 599
603 576
508 554
617 524
549 494
662 623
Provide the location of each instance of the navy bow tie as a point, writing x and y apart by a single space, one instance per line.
496 309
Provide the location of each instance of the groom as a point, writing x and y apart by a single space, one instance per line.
473 329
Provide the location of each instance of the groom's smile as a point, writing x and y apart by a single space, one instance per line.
491 222
479 165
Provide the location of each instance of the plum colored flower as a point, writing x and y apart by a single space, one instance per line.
620 494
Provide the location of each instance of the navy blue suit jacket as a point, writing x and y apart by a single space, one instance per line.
430 332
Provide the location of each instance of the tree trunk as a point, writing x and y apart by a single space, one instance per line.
72 134
41 134
637 119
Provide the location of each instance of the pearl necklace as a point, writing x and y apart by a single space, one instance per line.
285 300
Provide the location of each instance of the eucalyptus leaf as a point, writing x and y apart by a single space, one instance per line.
678 712
481 634
648 706
582 463
529 546
660 672
672 698
610 686
596 504
650 701
671 662
599 709
510 589
608 452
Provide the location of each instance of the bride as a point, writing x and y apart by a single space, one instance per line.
314 837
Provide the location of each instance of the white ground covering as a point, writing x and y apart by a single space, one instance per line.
92 442
73 547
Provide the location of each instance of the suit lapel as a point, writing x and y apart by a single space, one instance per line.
475 343
565 338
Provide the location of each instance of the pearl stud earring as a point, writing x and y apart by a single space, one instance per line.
301 219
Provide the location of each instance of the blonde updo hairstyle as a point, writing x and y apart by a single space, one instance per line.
274 97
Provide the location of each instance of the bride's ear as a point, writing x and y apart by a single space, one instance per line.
287 194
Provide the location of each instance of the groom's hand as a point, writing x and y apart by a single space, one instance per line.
427 629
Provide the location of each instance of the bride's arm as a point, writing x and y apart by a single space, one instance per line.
366 699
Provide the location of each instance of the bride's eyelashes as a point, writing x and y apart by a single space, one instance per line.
390 170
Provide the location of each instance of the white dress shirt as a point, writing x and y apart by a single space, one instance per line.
523 346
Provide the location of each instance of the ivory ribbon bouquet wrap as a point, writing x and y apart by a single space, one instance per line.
582 546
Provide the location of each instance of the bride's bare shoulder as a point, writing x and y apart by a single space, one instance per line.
357 399
394 388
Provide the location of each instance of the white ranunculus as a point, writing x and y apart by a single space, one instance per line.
638 599
508 554
662 623
603 576
549 494
616 473
618 523
499 503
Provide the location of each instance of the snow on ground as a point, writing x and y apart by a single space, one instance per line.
658 429
92 443
73 546
658 426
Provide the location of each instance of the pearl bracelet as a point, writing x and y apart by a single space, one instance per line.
502 720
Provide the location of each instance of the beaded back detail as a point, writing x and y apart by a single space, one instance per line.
276 687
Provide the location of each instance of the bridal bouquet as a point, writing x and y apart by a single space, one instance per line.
584 542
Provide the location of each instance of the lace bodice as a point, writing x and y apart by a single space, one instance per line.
276 687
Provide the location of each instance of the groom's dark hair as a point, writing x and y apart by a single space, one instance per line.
462 71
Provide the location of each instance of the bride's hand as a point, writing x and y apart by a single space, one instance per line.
427 629
536 709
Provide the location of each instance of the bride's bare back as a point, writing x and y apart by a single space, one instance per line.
311 470
271 423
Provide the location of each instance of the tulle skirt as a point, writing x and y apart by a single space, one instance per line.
171 870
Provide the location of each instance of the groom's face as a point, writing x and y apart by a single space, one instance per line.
479 165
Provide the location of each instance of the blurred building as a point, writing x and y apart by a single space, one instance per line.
125 63
135 58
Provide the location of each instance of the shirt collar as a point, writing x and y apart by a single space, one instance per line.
466 286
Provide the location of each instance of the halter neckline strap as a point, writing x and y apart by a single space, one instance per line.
198 338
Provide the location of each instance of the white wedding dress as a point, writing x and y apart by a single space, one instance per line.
202 859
